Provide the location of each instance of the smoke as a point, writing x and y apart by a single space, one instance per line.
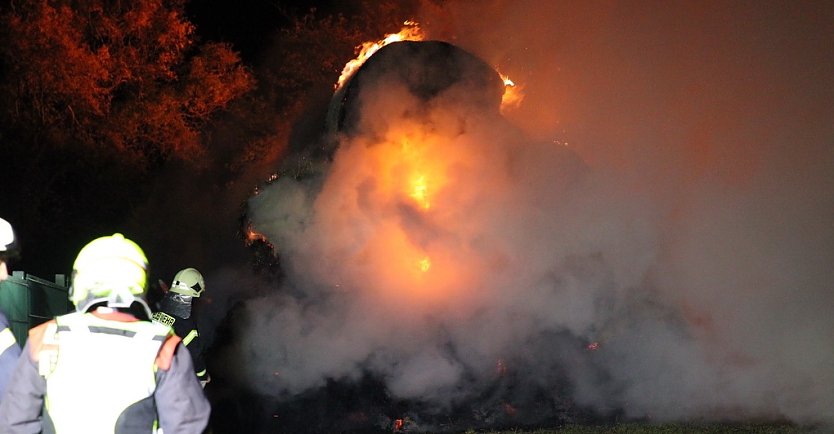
665 190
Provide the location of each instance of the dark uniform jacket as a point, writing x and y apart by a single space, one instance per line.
186 328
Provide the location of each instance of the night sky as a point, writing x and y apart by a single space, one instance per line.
249 24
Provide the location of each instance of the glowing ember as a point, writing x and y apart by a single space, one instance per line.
419 191
398 424
501 368
410 32
252 236
593 346
513 95
424 264
269 180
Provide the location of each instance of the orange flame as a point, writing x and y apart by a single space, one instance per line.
410 32
253 236
423 175
412 169
513 94
419 191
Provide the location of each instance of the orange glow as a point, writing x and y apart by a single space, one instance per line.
513 94
410 32
423 175
419 191
413 170
408 268
425 264
413 173
253 235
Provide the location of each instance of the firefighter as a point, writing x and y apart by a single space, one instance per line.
175 312
9 349
105 368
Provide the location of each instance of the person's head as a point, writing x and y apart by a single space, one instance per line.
188 283
9 247
110 270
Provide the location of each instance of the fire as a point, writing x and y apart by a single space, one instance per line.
424 176
415 174
424 264
419 191
272 178
513 94
412 180
253 236
410 32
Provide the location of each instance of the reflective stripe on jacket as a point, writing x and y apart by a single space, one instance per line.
186 328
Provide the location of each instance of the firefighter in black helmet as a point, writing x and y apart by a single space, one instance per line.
9 349
175 312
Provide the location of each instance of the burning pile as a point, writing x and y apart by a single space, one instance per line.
444 270
405 249
410 32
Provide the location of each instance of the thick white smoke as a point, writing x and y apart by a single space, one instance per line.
667 190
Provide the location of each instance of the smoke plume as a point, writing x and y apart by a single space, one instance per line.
665 191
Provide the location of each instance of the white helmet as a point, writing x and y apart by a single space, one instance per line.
189 282
8 241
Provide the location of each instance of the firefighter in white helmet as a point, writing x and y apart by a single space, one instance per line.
105 368
176 312
9 349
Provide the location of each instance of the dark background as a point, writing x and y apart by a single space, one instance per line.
186 209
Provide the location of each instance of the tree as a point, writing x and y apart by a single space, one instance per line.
298 71
127 76
95 95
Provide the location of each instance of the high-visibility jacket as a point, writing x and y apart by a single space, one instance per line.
104 373
9 353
